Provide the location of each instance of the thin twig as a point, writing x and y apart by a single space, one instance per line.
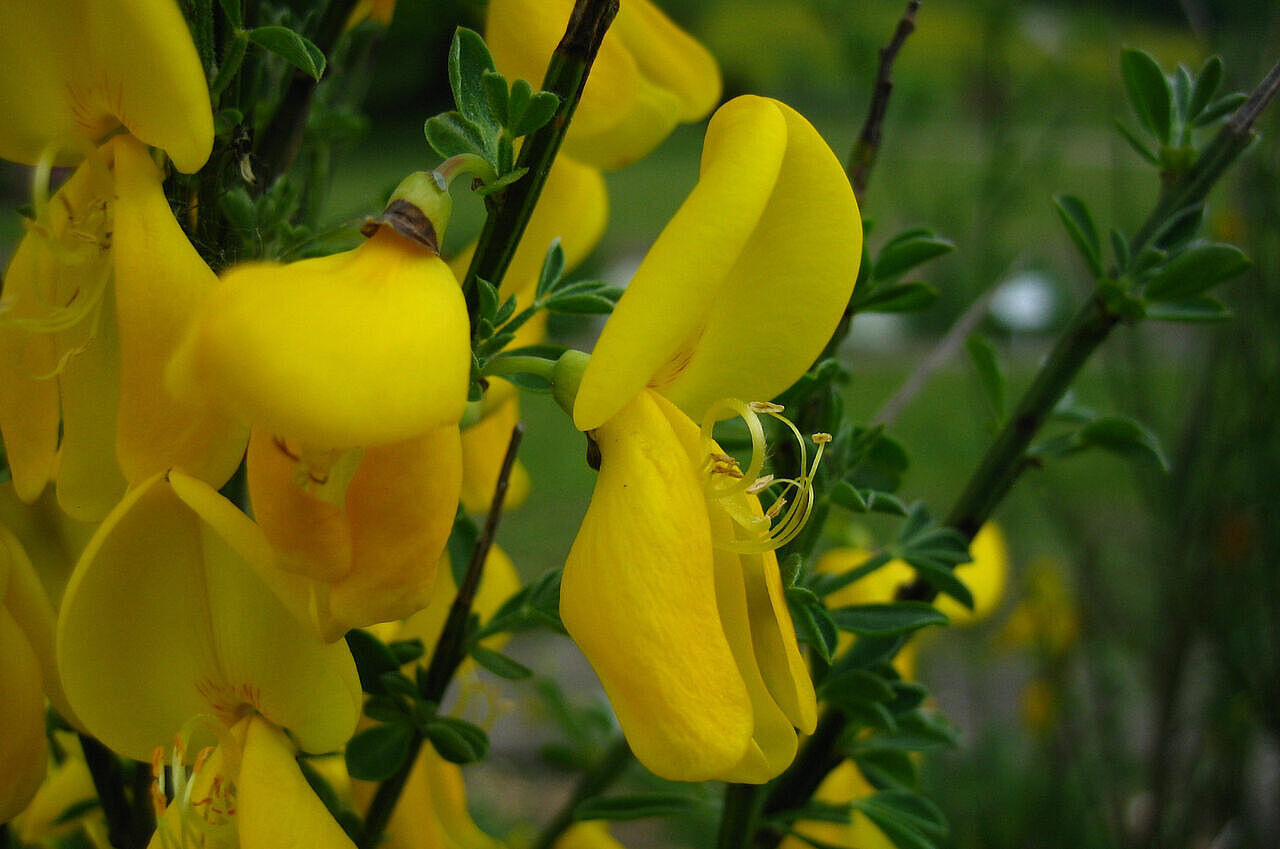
863 156
511 208
449 653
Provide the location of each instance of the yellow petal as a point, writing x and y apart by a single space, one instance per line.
743 288
484 446
638 597
366 347
77 69
68 787
592 834
160 280
22 745
89 478
164 619
677 285
275 805
498 583
644 58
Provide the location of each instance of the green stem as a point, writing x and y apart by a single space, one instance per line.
511 208
521 364
593 782
449 653
740 815
1007 457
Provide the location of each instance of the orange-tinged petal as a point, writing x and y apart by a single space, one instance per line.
664 311
160 281
362 348
81 68
275 806
638 597
401 506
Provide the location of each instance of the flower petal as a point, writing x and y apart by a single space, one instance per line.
160 281
22 745
81 68
275 806
659 320
638 597
484 447
366 347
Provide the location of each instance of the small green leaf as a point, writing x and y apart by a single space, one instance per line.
552 270
456 740
1148 91
521 94
940 577
488 295
232 58
888 767
855 685
814 625
1123 436
502 182
469 60
887 619
1180 228
902 255
373 659
983 356
1138 145
1195 271
1181 94
291 47
591 298
375 753
634 807
903 297
1119 250
541 109
915 732
235 14
1203 308
1079 223
499 664
1205 87
847 496
1221 108
385 709
451 134
912 809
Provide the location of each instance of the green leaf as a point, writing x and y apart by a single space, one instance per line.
396 682
541 109
488 295
456 740
1180 228
587 298
847 496
1079 223
232 59
903 297
291 47
462 540
469 59
983 356
1123 436
375 753
552 270
1148 91
1120 250
499 664
915 732
1181 95
386 709
521 94
1221 108
451 134
1195 271
235 14
1202 308
814 625
866 652
634 806
902 255
911 809
373 659
1139 146
502 182
940 577
855 685
888 767
907 696
1205 87
887 619
495 95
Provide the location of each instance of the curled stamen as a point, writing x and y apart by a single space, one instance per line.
790 510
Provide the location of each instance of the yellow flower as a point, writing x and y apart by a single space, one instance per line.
648 76
76 71
353 370
168 617
671 588
95 300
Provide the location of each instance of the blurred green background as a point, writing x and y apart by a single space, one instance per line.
1141 705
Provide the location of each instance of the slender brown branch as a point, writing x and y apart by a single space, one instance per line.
863 156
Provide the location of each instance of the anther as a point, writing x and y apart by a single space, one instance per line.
821 438
760 484
765 407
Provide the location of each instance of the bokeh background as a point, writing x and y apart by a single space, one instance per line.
1126 693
